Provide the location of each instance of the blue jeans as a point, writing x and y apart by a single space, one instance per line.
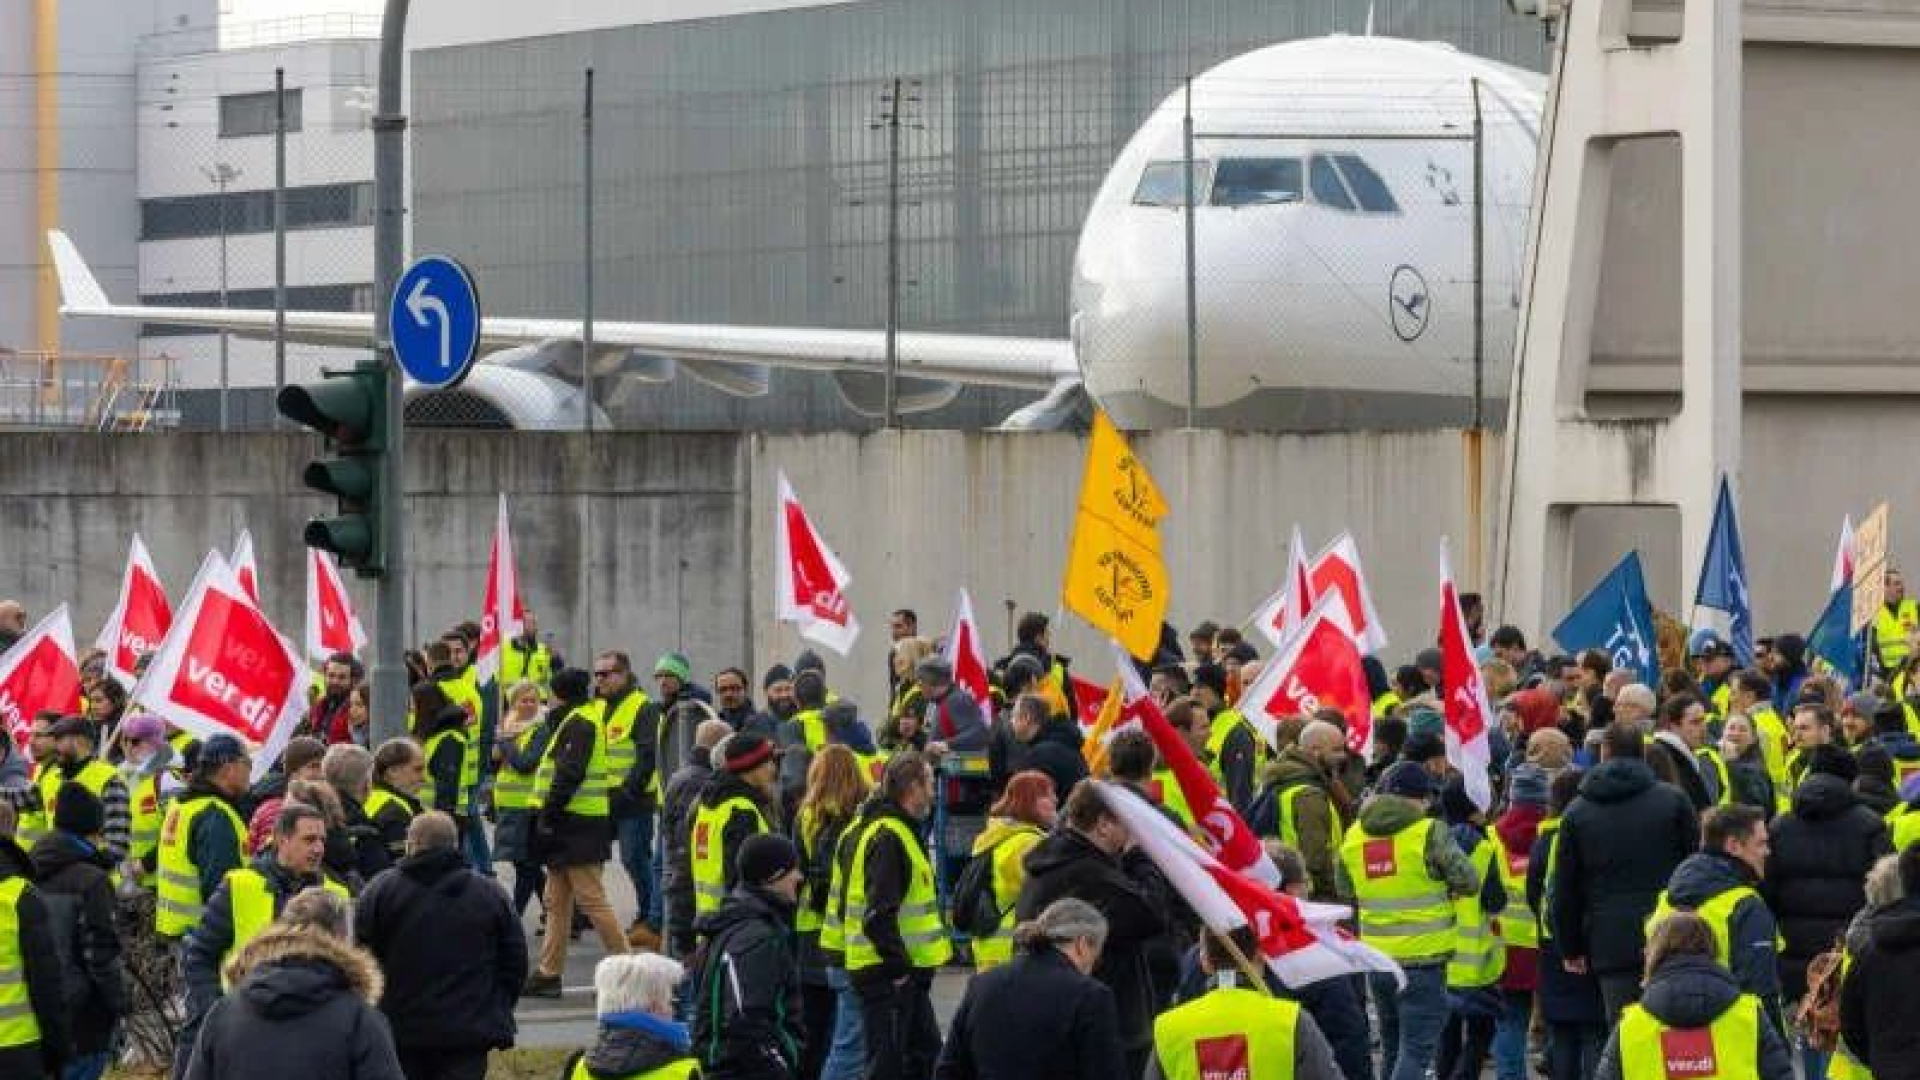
635 834
479 851
1510 1035
88 1067
1410 1020
847 1059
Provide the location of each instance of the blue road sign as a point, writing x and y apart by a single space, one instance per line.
435 316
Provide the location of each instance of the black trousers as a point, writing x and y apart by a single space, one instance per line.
903 1038
818 1004
443 1064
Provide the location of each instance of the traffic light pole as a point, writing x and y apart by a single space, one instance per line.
388 673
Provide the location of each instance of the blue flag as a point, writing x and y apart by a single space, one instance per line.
1832 639
1723 577
1616 618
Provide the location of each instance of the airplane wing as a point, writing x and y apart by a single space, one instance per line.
729 357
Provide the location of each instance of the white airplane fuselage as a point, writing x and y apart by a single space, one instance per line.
1333 241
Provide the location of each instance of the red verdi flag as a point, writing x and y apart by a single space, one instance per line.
1227 834
39 674
1286 610
1318 667
224 669
1469 715
966 654
1337 570
140 619
332 627
810 584
245 570
502 615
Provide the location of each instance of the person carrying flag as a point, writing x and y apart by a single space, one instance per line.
1232 1030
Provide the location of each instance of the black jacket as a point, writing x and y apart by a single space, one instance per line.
392 822
1036 1018
453 951
1816 874
631 1044
677 803
302 1009
562 838
368 843
1055 751
1133 897
447 758
1680 770
1237 758
1751 952
40 958
746 1015
72 878
202 950
1879 1010
720 787
889 872
1619 843
1692 992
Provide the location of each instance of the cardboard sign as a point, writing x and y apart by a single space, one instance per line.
1869 568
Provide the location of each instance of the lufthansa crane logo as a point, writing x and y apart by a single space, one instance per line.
1408 302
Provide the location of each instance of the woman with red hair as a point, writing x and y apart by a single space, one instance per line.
1018 821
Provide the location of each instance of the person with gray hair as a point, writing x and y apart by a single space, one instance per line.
637 1035
348 770
453 950
1043 1016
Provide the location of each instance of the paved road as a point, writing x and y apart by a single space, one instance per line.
568 1023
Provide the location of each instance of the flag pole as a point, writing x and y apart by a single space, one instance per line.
1255 980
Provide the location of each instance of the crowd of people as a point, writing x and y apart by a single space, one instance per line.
1704 870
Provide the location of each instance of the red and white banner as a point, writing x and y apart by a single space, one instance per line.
1318 667
140 617
245 569
223 668
502 615
41 673
1469 714
1298 940
967 655
1842 557
1088 697
809 582
332 627
1337 570
1228 835
1287 608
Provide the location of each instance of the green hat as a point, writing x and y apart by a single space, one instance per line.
675 665
1425 721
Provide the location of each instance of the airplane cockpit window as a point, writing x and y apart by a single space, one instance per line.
1347 182
1256 181
1328 189
1366 184
1164 183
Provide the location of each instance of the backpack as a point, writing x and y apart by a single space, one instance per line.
972 909
1818 1014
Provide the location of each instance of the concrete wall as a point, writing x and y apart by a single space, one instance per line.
650 542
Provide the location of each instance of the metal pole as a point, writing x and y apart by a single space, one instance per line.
586 252
279 232
1479 264
893 257
1193 293
389 673
225 416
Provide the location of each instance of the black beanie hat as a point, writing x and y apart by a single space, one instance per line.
78 811
572 685
765 856
776 673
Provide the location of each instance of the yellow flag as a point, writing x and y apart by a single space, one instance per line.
1095 746
1116 578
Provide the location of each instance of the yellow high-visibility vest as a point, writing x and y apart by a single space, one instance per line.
622 752
1728 1049
1479 956
177 902
683 1069
1009 872
921 930
1890 630
512 789
18 1024
1519 924
469 769
1404 911
590 798
144 832
706 848
1290 820
255 907
1228 1032
1718 913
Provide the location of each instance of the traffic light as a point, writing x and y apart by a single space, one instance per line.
350 409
